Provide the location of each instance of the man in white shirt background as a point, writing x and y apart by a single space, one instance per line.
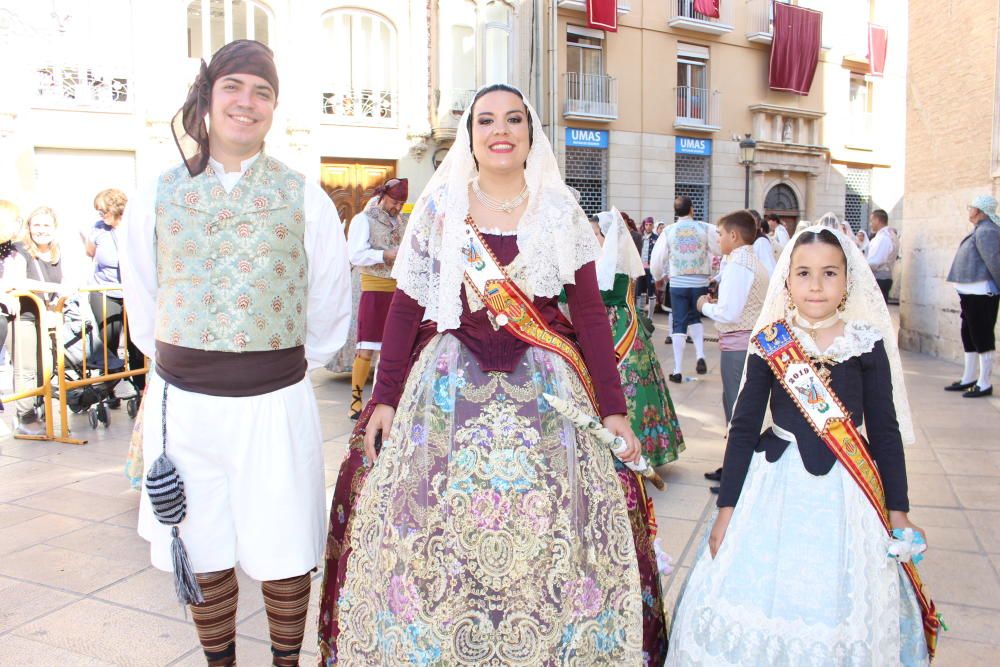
882 250
683 253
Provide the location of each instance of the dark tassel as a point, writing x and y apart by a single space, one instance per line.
185 582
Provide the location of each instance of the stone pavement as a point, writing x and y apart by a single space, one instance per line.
76 587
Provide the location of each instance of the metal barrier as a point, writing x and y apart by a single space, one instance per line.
52 323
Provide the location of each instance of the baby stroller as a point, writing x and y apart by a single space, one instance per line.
80 341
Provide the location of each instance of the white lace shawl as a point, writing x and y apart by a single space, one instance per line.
618 254
865 314
554 237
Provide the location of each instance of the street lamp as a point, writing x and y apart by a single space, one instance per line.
748 151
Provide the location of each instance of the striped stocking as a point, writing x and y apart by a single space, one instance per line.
286 602
216 618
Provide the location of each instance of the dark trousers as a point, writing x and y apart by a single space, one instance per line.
884 284
683 301
112 314
645 285
979 319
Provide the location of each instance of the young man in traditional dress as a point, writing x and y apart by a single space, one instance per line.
373 241
236 282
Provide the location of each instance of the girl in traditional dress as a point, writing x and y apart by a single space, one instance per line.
796 569
649 405
489 530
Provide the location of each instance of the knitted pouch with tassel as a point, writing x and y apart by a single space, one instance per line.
166 494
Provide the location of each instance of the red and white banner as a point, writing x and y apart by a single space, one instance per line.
878 44
709 8
603 15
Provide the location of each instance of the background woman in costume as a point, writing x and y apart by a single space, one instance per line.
489 529
649 406
796 567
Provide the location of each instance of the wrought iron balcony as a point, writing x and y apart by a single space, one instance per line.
684 16
361 106
449 105
697 109
82 88
760 21
590 96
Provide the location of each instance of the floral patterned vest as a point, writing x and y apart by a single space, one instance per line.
382 235
231 265
689 249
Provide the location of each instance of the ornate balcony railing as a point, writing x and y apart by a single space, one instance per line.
361 106
760 18
683 15
449 105
697 108
590 96
81 87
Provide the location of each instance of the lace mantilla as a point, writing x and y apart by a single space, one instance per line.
554 237
857 339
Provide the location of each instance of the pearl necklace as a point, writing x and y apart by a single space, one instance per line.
506 206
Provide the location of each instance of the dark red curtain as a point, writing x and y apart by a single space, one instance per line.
798 34
709 8
603 15
878 43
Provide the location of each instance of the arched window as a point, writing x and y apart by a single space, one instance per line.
476 43
498 26
361 64
211 24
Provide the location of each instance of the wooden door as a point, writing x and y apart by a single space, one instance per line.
351 183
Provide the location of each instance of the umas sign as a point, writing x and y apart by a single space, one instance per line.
577 137
692 146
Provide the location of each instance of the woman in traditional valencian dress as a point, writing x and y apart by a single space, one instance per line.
489 530
797 568
649 406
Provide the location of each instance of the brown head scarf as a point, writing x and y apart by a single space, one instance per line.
244 56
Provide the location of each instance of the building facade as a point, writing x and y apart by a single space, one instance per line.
953 155
374 88
369 89
652 110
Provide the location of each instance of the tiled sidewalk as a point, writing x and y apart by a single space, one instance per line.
76 587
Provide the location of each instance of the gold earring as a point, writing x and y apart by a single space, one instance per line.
788 299
843 303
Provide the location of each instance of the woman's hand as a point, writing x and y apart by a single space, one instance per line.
902 521
620 426
381 420
719 529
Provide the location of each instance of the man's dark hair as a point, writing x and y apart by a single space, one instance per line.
741 222
683 205
881 216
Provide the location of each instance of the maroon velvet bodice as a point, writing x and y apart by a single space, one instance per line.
498 350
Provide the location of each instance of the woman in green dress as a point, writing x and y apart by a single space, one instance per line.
649 406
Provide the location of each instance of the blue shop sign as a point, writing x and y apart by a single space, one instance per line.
580 138
692 146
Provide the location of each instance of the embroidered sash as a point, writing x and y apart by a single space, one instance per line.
512 309
832 423
624 344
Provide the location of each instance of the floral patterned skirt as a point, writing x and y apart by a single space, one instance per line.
649 406
489 531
